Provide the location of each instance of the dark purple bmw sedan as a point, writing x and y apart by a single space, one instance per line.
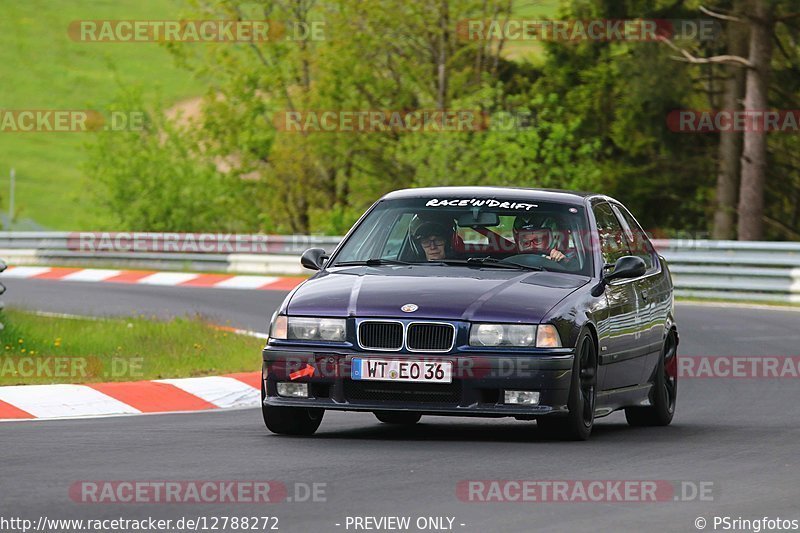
479 301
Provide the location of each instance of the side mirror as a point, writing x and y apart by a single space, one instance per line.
313 258
625 268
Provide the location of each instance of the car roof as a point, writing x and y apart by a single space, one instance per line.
521 193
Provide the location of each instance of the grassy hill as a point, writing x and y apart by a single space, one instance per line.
42 68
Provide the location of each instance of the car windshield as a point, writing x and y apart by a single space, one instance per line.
494 232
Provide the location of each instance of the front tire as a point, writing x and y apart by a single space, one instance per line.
400 418
578 424
300 421
665 390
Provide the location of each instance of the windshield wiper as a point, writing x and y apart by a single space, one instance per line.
375 261
472 261
500 263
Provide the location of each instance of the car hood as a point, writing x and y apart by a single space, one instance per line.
474 295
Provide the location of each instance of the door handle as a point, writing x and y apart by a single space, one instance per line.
644 295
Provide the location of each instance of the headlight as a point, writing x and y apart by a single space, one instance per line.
331 329
308 329
304 329
487 335
502 335
519 335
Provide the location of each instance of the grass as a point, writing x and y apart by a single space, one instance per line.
536 8
530 51
42 68
44 349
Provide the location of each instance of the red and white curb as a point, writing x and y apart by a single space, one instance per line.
148 277
28 402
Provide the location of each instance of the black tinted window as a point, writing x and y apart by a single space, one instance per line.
638 242
613 243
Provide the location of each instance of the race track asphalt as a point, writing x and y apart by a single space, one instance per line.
741 435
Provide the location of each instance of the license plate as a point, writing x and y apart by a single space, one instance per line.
369 369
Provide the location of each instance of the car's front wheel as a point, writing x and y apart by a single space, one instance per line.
290 420
665 390
578 424
402 418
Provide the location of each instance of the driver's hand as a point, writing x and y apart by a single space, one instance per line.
556 256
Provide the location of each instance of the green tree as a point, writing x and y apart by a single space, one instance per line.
156 179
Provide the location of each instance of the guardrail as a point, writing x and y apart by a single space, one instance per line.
767 271
207 252
734 270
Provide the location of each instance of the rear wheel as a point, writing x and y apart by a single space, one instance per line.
398 417
578 424
290 420
665 390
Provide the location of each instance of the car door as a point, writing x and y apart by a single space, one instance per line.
621 360
652 287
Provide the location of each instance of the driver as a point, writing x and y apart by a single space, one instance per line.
432 238
532 236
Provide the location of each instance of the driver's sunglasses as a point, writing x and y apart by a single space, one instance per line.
432 243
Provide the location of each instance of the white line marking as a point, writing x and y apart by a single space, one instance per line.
68 316
250 333
87 417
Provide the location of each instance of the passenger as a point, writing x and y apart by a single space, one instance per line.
433 239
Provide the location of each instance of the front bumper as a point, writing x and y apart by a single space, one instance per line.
479 382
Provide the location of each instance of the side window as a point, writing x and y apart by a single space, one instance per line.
397 236
613 244
638 242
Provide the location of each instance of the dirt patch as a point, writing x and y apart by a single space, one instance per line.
185 111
